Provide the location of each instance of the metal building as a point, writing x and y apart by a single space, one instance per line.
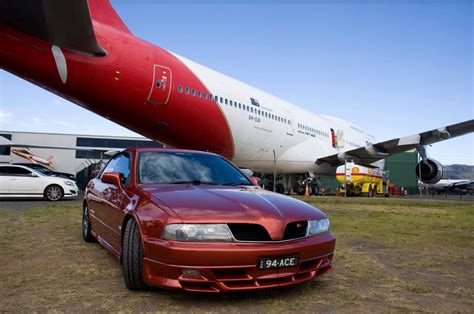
73 161
402 169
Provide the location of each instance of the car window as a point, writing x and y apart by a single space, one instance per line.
110 165
4 171
182 167
122 166
18 172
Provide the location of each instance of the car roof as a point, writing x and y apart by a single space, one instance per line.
27 164
17 166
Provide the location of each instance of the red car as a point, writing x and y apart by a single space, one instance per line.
193 221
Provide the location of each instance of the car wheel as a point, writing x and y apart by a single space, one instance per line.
53 193
132 257
86 226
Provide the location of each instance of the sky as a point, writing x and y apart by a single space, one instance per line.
393 68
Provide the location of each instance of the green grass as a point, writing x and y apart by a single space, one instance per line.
391 255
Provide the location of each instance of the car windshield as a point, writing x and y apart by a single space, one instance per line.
184 167
43 170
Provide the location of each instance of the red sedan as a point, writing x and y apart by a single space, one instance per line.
193 221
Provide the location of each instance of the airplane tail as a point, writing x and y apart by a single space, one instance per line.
103 12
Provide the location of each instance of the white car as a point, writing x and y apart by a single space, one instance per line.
21 181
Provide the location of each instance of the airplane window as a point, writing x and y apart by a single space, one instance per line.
284 120
251 110
235 104
199 93
258 112
216 97
187 90
180 88
240 106
226 101
205 95
193 92
230 102
222 100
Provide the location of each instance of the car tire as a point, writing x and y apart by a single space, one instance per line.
86 226
53 192
132 257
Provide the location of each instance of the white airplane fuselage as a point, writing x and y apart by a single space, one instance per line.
271 126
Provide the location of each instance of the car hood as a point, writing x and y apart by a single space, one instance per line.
211 204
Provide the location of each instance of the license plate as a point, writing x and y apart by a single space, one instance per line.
278 262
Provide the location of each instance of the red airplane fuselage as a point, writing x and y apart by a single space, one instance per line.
132 85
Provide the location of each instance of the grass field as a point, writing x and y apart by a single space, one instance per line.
392 255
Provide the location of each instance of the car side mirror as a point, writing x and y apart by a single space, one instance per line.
112 178
255 180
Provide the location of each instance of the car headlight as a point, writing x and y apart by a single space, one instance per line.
197 232
69 183
318 226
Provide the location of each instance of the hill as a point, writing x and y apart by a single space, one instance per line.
458 172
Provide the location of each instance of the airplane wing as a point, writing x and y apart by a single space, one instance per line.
66 24
374 152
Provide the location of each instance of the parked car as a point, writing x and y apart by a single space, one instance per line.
45 170
193 221
21 181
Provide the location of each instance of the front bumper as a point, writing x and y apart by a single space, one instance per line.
233 266
71 191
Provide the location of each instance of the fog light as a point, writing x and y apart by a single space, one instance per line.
191 272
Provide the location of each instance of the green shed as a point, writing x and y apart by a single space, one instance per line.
402 169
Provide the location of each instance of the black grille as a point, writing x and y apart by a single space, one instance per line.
295 230
249 232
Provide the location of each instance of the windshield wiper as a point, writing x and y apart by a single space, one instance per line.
235 183
193 182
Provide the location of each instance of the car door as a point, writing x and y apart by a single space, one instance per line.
24 181
115 200
4 181
95 200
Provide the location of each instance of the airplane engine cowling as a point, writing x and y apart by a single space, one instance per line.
431 171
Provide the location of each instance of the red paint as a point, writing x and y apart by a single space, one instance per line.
224 266
118 85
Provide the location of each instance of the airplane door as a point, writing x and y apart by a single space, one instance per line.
160 86
290 124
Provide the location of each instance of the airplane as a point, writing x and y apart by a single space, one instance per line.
83 52
24 152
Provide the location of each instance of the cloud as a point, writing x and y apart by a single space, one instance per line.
5 117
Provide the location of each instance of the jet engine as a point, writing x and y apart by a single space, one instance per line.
429 171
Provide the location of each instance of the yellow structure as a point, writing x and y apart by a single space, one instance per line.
362 180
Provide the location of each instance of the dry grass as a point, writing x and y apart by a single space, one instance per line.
392 255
